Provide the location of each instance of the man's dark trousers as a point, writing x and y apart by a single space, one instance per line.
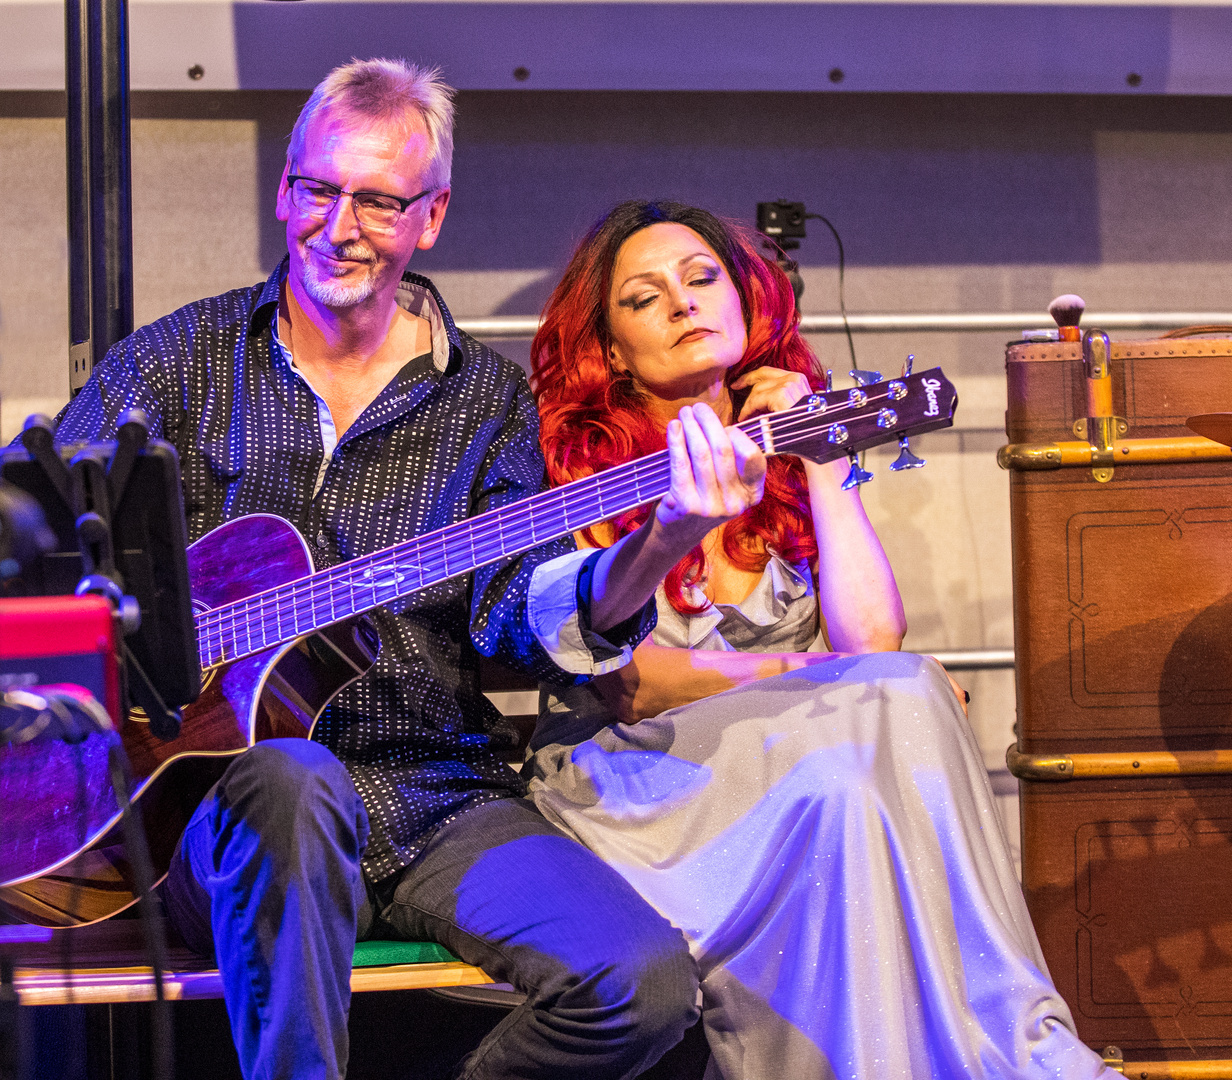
268 880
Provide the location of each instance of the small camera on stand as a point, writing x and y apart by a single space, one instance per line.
783 223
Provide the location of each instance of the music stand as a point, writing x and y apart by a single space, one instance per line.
116 510
117 513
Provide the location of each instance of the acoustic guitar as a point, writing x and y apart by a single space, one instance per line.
278 641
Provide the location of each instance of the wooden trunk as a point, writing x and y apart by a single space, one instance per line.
1123 638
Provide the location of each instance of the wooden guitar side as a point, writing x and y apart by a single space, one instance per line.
62 860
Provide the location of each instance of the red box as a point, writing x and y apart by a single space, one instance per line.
61 639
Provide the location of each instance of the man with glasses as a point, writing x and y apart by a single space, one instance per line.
340 396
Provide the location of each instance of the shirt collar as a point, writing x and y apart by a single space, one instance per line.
416 294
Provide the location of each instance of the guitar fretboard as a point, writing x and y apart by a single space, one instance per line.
290 611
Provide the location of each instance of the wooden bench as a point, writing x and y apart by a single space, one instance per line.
109 965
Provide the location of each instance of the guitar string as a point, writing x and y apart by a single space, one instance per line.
389 562
308 596
313 603
445 540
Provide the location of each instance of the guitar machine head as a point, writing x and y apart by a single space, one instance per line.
834 423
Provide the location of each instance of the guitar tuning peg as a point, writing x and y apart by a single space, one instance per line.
829 379
907 365
865 378
857 475
906 459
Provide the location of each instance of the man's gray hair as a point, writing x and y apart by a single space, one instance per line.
382 90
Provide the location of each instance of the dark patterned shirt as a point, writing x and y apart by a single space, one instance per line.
455 433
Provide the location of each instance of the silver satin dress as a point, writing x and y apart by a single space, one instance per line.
828 844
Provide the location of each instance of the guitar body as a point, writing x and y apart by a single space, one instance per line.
62 860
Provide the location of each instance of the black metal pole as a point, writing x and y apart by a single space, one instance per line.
77 144
111 220
111 223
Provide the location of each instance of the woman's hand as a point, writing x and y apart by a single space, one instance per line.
770 390
959 692
716 474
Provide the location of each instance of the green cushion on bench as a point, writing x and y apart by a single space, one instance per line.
383 953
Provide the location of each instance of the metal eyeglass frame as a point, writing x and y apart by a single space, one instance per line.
403 203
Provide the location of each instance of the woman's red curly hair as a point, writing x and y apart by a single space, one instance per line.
593 417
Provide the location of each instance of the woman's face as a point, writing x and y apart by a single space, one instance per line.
674 314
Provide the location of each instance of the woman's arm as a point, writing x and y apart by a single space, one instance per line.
716 474
660 678
856 591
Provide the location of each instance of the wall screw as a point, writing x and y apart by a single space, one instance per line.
196 72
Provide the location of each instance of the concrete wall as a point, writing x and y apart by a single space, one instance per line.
945 203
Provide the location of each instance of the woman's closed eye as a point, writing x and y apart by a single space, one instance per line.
637 303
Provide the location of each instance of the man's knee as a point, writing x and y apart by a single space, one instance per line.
288 784
640 995
662 977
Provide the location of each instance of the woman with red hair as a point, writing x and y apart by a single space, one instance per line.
819 825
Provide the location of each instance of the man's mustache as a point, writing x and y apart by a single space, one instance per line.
353 250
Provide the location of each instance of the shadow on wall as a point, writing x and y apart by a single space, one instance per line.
908 179
273 136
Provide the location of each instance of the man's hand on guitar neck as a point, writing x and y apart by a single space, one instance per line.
716 474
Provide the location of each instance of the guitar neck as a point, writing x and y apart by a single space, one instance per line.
817 428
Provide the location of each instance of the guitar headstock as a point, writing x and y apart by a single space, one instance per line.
835 423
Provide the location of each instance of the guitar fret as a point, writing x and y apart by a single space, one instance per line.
233 635
248 633
445 554
416 561
299 594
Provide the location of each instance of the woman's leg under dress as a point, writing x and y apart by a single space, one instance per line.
828 843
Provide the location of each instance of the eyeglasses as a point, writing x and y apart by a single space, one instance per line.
373 209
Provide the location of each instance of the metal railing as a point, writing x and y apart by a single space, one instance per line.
974 659
524 326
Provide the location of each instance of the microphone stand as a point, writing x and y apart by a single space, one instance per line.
92 485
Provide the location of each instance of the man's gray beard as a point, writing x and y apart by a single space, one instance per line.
328 291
